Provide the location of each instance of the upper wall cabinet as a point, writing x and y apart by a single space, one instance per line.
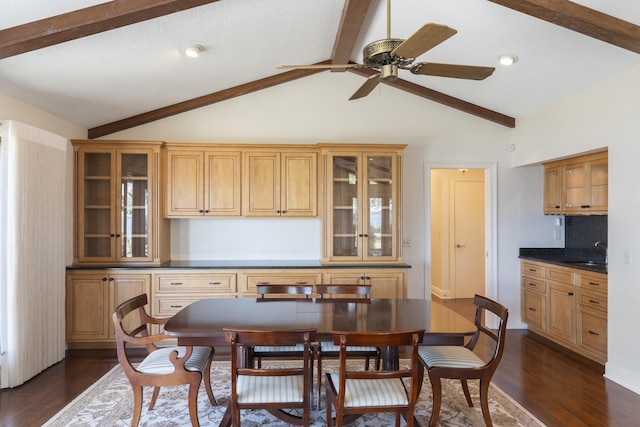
362 221
280 183
202 183
577 186
117 204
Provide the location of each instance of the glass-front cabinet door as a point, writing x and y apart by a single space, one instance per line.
362 220
114 205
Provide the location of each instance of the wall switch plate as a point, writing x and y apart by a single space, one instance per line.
406 242
626 256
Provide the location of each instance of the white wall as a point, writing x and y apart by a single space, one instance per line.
603 115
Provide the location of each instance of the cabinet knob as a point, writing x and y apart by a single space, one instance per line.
117 235
111 279
206 211
104 279
570 294
200 211
112 235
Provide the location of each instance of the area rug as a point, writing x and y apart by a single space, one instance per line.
109 403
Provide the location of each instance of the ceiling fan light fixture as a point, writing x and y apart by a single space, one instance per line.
193 51
508 59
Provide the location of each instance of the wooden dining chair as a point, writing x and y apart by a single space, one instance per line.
275 388
274 293
361 392
355 293
460 362
163 366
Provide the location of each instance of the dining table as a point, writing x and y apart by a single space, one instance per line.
203 321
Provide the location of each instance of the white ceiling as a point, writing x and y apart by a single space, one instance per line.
131 70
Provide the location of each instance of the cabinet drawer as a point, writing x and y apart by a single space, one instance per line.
532 269
198 283
533 285
559 275
593 281
533 309
253 279
168 306
593 331
595 300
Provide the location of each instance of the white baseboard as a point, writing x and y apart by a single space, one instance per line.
623 377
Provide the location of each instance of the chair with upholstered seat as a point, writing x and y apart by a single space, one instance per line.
354 293
275 293
163 366
361 392
460 362
274 388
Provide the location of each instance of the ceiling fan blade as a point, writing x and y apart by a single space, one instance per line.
321 66
452 70
427 37
366 87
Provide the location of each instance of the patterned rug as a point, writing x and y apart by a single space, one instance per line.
108 403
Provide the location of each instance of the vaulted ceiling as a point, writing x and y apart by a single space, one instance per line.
109 66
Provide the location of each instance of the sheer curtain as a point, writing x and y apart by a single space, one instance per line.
32 251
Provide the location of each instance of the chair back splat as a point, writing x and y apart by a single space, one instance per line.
355 293
273 388
460 362
360 392
163 366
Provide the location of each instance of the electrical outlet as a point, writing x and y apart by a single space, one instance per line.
626 256
406 242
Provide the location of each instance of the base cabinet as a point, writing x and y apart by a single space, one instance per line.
90 301
567 306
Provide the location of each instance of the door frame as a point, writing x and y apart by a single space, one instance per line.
491 222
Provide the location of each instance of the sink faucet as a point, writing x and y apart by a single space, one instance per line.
606 250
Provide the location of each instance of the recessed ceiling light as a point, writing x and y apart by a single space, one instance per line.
508 59
193 51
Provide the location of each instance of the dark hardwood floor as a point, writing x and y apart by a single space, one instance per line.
558 387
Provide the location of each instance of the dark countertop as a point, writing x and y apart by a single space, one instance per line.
580 259
237 265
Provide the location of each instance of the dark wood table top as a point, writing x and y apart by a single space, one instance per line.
201 322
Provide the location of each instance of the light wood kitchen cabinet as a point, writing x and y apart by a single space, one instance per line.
362 190
117 203
592 313
534 289
280 183
583 185
553 190
203 183
385 283
91 298
253 278
566 305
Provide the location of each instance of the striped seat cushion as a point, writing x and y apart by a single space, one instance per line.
384 392
252 389
158 361
274 348
329 346
449 356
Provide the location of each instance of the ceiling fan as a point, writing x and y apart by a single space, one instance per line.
388 55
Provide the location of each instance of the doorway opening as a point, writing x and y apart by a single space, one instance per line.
460 230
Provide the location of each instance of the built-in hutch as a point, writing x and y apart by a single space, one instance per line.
127 192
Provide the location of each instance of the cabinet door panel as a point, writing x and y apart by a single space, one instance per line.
184 183
262 182
87 308
222 186
299 184
561 311
124 287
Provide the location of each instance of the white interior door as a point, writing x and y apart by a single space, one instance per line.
467 238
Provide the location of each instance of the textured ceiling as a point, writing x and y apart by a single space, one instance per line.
131 70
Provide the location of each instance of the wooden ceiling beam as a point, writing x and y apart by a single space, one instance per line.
202 101
351 22
443 99
85 22
581 19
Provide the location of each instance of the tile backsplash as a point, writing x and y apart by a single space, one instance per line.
581 233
